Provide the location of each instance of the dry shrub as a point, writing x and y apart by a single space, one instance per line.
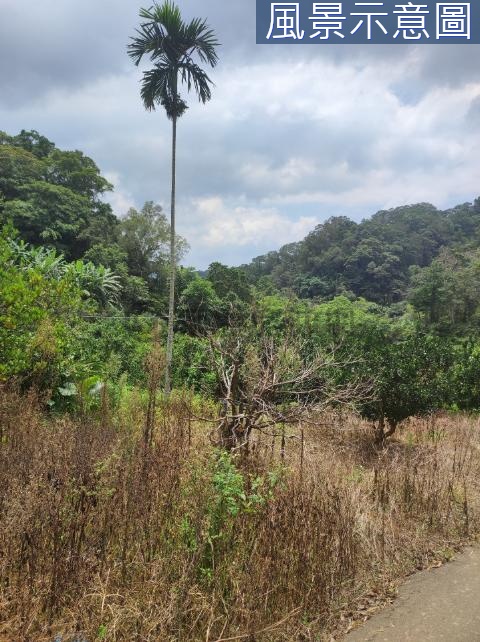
106 535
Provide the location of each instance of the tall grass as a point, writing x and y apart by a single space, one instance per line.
128 525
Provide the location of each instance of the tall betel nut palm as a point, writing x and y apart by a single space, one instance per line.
175 48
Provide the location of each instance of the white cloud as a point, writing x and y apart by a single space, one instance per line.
217 224
120 198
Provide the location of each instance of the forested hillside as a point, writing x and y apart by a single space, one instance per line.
377 259
413 253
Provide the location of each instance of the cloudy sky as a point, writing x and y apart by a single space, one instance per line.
292 136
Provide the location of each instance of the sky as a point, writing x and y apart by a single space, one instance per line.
292 135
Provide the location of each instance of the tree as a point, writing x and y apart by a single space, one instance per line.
47 214
227 280
410 373
38 303
135 295
200 306
53 196
268 383
373 271
172 46
94 281
144 237
31 141
17 167
411 377
447 292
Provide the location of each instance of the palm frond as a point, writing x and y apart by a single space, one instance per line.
201 40
153 40
167 14
156 84
171 45
95 281
43 260
192 75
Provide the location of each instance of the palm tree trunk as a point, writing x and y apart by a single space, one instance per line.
173 266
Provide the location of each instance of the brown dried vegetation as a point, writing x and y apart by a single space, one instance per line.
107 535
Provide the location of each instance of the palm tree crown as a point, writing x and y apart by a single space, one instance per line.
172 46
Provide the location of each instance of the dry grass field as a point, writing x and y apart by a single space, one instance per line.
105 537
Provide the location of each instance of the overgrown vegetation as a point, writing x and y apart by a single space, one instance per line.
106 538
314 450
409 319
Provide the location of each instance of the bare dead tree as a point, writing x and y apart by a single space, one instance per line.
266 383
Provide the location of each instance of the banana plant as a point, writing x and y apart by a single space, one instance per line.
95 281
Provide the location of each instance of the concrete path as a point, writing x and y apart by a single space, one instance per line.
439 605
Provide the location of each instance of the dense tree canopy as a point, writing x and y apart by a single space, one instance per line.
372 259
53 198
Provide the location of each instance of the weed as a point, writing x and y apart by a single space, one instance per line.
125 523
